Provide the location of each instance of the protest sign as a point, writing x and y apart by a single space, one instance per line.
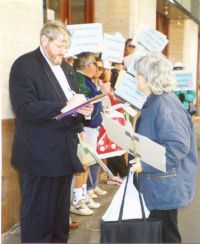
150 38
113 48
126 89
184 80
147 150
86 38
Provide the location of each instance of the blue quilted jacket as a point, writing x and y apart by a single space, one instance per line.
165 121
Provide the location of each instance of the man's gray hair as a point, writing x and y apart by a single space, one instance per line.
83 60
157 71
54 30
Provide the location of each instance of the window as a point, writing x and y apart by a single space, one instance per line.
69 11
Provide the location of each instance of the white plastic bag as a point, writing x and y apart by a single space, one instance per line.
132 207
84 156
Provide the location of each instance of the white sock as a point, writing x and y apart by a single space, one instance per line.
77 195
84 191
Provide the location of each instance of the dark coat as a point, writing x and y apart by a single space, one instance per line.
42 145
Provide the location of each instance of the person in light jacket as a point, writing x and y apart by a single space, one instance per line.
164 120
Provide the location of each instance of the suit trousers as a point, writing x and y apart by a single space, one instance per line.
45 208
170 233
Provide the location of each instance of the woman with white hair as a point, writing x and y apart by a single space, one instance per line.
165 121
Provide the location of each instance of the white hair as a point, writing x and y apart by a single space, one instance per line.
54 30
157 71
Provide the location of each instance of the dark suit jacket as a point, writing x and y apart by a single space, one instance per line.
42 146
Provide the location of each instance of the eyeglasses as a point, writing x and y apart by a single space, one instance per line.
99 68
60 45
92 63
131 46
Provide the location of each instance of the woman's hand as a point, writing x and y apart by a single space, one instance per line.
136 165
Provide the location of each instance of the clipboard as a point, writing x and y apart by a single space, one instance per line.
84 104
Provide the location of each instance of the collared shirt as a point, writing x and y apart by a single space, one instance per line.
60 76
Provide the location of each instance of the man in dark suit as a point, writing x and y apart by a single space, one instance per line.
44 149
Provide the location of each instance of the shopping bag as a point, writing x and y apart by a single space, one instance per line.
132 209
144 230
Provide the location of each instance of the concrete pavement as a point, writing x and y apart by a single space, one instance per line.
88 232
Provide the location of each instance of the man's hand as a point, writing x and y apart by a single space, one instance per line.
86 110
76 100
136 165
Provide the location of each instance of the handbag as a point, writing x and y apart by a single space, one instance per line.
143 230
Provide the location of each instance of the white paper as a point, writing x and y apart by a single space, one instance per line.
113 48
148 151
184 80
130 60
150 38
132 207
86 38
127 90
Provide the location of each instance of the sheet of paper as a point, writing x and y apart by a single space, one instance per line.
184 80
129 61
113 48
73 110
127 91
147 150
128 109
150 38
86 38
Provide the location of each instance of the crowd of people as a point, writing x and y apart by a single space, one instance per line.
45 83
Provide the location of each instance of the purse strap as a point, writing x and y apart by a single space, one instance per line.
140 196
123 200
136 182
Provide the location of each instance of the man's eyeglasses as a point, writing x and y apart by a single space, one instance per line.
92 63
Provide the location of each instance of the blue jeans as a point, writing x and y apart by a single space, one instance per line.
93 176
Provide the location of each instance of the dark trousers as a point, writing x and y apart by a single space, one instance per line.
117 165
170 231
45 208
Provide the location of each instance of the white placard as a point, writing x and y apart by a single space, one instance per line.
126 89
113 48
147 150
130 60
86 38
184 80
150 39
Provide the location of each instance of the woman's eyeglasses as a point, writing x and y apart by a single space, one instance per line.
132 46
99 68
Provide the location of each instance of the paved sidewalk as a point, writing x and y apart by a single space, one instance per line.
88 232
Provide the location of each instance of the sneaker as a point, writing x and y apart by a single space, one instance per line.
91 203
92 194
81 209
115 181
99 191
